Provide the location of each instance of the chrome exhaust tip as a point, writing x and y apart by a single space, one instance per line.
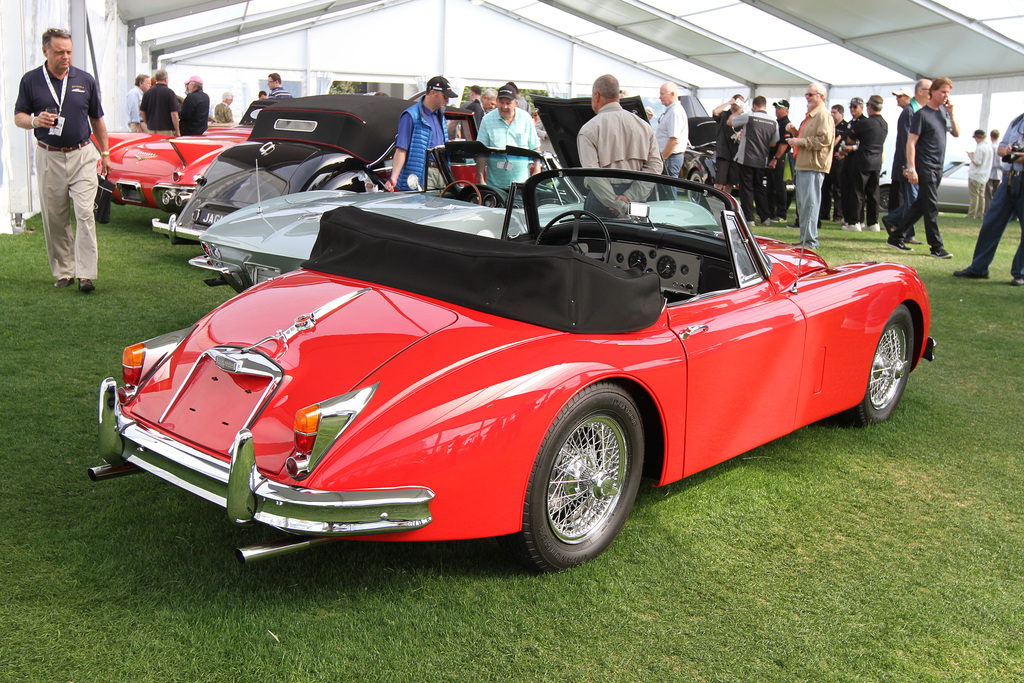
283 546
112 471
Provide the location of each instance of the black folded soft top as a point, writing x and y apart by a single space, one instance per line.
550 286
360 125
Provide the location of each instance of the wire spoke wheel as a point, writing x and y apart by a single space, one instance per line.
890 369
586 479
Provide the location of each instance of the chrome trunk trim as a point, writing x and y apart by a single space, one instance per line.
234 361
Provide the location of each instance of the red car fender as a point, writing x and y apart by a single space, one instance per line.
471 431
846 309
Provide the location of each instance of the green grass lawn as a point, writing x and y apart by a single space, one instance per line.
887 553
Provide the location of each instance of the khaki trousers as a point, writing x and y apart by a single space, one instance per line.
69 179
976 191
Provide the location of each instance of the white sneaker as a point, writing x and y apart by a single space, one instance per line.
875 227
852 227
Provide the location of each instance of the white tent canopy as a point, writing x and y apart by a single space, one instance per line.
713 48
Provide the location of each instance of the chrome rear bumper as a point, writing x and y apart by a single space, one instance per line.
233 276
173 229
246 494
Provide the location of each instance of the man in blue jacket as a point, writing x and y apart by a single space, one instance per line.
420 128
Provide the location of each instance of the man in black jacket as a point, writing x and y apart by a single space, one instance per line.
760 133
778 197
832 188
869 133
195 110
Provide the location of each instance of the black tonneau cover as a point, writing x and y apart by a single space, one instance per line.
361 125
550 286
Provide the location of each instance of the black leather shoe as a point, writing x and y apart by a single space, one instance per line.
63 282
85 285
970 274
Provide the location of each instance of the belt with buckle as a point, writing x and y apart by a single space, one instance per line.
48 148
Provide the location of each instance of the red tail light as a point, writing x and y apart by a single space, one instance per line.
131 363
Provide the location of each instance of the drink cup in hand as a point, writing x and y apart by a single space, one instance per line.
52 111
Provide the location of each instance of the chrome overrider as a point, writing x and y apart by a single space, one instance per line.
238 486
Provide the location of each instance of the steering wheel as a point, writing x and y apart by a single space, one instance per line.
574 241
456 183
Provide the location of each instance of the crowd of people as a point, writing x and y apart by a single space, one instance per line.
835 164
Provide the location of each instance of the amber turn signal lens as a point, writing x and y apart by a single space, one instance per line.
131 363
307 422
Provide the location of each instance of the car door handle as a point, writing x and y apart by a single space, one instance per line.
694 329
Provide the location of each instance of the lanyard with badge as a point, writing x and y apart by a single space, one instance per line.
58 127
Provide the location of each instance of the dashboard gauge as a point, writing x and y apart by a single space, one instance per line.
637 260
666 267
684 269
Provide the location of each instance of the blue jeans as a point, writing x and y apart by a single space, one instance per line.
808 203
674 164
908 195
1007 204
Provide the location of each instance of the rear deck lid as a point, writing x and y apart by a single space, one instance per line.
279 347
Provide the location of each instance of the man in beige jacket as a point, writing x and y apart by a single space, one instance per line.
812 149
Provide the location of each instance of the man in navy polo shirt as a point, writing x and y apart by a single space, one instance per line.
61 104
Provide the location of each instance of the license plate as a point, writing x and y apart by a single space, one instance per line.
204 217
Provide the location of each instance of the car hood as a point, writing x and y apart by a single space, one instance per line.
563 118
350 331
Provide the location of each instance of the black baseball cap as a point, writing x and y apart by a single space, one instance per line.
782 103
441 83
509 91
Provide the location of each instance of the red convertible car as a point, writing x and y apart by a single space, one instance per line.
509 375
160 172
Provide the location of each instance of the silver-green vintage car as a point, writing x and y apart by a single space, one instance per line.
272 237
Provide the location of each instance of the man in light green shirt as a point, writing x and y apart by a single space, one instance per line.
506 126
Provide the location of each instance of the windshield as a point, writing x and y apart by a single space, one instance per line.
644 202
472 162
688 234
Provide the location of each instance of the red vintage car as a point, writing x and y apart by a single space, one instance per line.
510 375
160 171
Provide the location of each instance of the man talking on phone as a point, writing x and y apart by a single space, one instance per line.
926 152
61 105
